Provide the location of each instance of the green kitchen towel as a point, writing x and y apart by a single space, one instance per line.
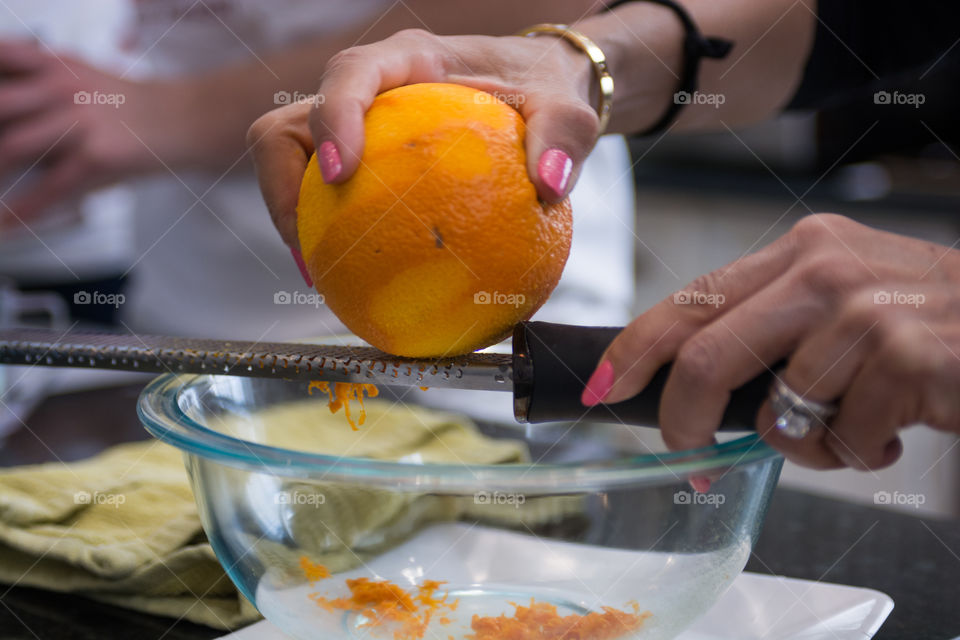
122 527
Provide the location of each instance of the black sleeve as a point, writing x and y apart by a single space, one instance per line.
860 44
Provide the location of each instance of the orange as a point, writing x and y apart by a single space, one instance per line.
438 244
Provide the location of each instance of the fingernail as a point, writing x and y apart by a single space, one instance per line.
598 386
700 484
298 258
554 169
330 164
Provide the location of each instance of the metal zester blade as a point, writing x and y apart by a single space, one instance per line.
292 361
546 372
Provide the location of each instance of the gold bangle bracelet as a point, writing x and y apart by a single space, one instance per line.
599 60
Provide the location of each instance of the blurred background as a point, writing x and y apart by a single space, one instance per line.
128 201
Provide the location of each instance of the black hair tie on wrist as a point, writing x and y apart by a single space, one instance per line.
695 47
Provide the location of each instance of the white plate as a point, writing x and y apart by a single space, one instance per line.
754 607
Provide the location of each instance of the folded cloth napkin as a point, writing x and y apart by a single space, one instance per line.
122 527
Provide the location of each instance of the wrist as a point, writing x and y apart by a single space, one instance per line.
583 48
579 67
643 43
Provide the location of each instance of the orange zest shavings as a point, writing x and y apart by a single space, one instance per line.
385 604
342 393
312 570
408 613
541 621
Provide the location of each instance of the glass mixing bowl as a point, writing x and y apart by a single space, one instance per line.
576 518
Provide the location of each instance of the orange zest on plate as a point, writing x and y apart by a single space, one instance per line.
408 613
385 604
540 620
342 393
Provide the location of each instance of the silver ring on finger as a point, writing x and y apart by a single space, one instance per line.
796 415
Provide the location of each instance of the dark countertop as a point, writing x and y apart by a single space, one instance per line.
914 560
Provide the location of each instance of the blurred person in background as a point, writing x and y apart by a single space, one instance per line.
869 320
185 81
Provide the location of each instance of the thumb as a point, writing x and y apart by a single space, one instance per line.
559 138
281 145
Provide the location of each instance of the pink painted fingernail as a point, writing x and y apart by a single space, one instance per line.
298 258
700 484
598 386
554 168
330 164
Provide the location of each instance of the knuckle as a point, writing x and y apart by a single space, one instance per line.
698 361
708 283
583 121
699 300
809 230
902 352
416 35
828 273
345 58
860 313
814 229
911 355
261 126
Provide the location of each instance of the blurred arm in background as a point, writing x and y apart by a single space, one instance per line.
195 122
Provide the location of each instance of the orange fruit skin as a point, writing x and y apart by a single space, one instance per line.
438 244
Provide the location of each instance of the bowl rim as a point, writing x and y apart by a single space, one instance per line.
159 411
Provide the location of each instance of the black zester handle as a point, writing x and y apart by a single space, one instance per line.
552 363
